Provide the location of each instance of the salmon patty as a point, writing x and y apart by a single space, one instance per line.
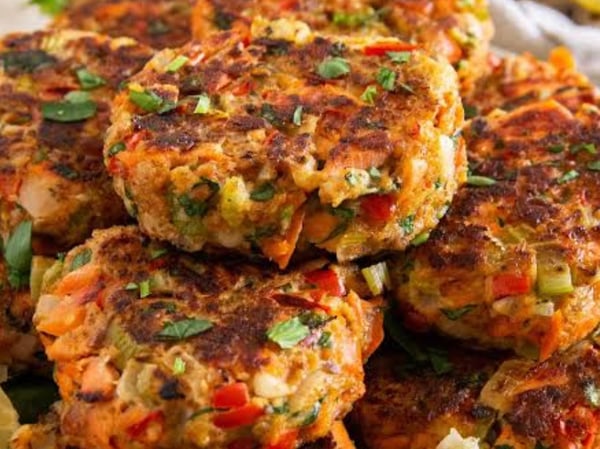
157 23
457 30
289 137
160 349
514 263
55 93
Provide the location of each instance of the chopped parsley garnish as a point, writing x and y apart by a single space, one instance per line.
116 148
592 394
471 111
325 340
192 207
145 289
594 166
50 7
480 181
407 224
312 415
203 105
297 118
399 57
456 314
18 254
178 366
407 88
268 112
180 330
589 147
346 215
568 176
420 239
333 68
288 334
369 95
386 78
263 192
556 149
28 61
75 107
352 20
89 80
158 253
81 259
150 101
132 286
177 63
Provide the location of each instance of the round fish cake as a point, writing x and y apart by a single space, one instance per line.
256 145
457 30
55 93
514 263
159 349
514 81
157 23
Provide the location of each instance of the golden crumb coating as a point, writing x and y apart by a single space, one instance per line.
514 263
159 349
157 23
289 137
55 93
454 29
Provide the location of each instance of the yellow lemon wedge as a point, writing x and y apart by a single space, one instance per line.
9 420
591 5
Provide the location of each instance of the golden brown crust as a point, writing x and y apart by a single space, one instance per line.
157 23
489 272
51 172
104 324
285 154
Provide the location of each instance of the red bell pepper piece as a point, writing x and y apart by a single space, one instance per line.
383 48
231 396
326 280
378 209
238 417
137 430
510 284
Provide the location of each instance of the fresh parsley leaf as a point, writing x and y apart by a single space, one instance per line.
180 330
456 314
594 166
116 148
386 79
480 181
588 147
203 105
471 111
325 340
263 192
178 366
177 63
407 224
568 176
399 57
89 80
50 7
81 259
288 334
75 107
556 149
333 68
313 414
150 101
420 239
352 20
145 289
18 254
369 95
192 207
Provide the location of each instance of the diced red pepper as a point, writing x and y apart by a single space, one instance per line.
326 280
137 430
286 5
242 89
510 284
378 209
286 441
383 48
230 396
238 417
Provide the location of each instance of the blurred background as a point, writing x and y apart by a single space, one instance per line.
522 25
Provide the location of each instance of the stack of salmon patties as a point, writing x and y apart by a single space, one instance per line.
211 226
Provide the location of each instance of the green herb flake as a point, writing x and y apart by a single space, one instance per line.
178 366
386 79
407 88
202 411
145 290
157 253
471 111
592 394
369 95
480 181
420 239
180 330
288 334
203 105
281 409
89 80
116 149
75 107
399 57
18 254
352 20
262 193
568 176
594 166
325 340
131 286
81 259
588 147
146 100
192 207
50 7
374 173
333 68
407 224
456 314
351 179
312 416
177 63
439 361
556 149
297 118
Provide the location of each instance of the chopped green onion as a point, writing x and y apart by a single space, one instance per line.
178 366
76 107
132 286
589 147
312 415
471 111
333 68
120 339
288 334
145 289
386 78
407 224
553 275
81 259
399 57
407 88
325 340
89 80
180 330
594 166
18 254
456 314
158 253
369 95
116 148
420 239
263 192
544 309
374 173
297 118
50 7
481 181
177 63
203 105
556 149
377 277
568 176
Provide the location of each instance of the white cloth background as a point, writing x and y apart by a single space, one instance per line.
520 26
